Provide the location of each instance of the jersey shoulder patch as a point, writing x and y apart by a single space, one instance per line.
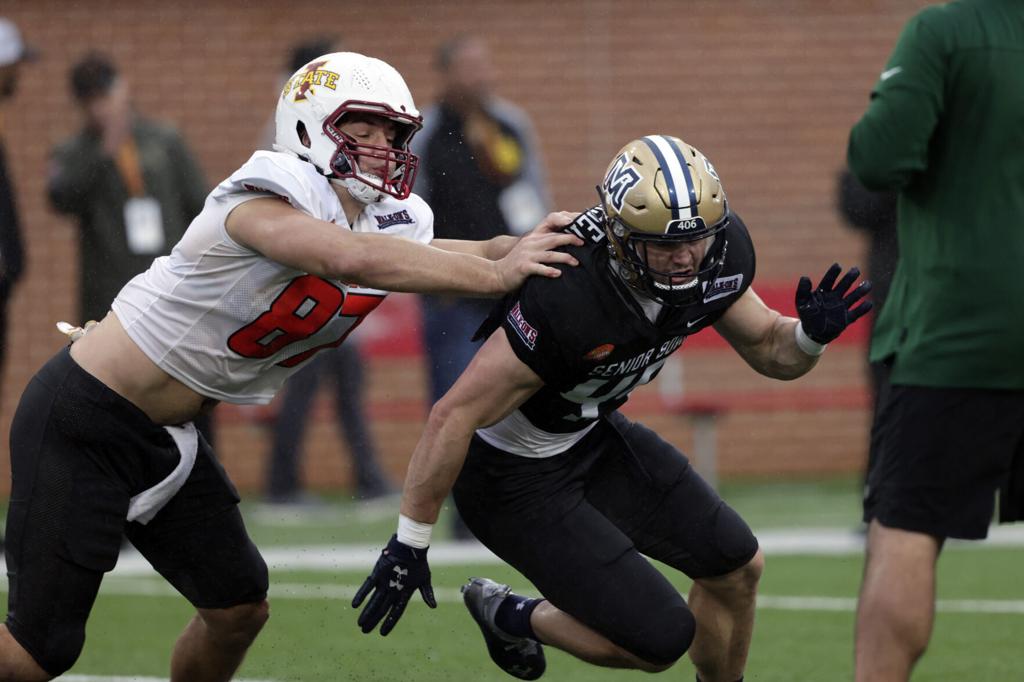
411 218
740 263
285 176
550 321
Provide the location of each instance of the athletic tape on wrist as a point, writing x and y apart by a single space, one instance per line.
807 344
414 533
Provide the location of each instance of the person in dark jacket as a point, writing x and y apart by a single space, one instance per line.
13 53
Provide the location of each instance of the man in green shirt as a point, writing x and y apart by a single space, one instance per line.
945 128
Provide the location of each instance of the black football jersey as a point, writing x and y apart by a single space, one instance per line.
587 337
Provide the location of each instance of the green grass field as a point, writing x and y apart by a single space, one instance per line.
803 633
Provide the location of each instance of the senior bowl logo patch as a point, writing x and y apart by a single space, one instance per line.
600 353
523 328
722 287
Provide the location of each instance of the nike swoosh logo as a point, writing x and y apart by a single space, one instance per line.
889 73
693 322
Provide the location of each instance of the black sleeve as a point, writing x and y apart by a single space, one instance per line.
862 208
11 251
74 167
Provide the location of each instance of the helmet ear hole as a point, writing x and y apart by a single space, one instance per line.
300 130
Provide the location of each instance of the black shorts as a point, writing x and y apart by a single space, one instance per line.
939 456
79 452
577 523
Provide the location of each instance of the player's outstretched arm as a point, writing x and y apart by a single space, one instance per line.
493 385
785 347
500 246
291 237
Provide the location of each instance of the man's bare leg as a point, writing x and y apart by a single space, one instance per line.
724 608
896 609
560 630
215 641
16 665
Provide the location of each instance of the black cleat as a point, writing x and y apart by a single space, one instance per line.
520 657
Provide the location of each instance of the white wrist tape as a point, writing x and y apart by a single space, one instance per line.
806 343
414 533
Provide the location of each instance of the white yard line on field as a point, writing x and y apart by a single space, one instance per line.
816 541
156 587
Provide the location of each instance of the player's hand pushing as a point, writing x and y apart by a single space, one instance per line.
828 310
535 251
399 572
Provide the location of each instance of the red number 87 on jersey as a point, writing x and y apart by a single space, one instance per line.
302 309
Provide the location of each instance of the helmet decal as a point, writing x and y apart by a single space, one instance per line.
620 179
313 75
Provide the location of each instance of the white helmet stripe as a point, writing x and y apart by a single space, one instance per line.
677 176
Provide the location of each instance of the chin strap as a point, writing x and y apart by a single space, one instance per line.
360 191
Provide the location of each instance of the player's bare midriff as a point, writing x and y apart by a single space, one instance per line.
108 353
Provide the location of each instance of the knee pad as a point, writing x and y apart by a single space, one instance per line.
736 542
58 650
667 637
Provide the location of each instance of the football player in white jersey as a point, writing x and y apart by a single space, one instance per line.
286 258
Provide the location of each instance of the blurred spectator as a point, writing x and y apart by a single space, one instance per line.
481 173
12 53
945 129
873 213
132 184
342 367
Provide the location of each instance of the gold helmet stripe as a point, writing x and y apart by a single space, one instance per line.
682 194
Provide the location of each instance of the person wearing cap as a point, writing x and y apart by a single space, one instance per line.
13 52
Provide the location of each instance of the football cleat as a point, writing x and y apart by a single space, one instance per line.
520 657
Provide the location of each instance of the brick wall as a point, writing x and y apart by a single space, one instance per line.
767 89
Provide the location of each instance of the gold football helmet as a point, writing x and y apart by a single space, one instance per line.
661 190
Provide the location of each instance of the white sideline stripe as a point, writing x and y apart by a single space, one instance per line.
150 587
821 542
132 678
818 541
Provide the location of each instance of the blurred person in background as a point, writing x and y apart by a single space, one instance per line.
944 129
132 184
13 53
342 367
482 174
563 487
104 441
873 214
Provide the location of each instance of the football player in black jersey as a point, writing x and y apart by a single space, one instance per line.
563 487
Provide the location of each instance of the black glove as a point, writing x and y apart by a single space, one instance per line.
400 570
827 311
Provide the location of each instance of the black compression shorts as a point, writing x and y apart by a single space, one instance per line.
577 523
79 452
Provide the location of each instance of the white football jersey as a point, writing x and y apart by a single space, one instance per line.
233 325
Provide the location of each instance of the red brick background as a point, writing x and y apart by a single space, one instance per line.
768 90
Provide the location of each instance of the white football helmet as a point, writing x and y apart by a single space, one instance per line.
316 99
659 189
